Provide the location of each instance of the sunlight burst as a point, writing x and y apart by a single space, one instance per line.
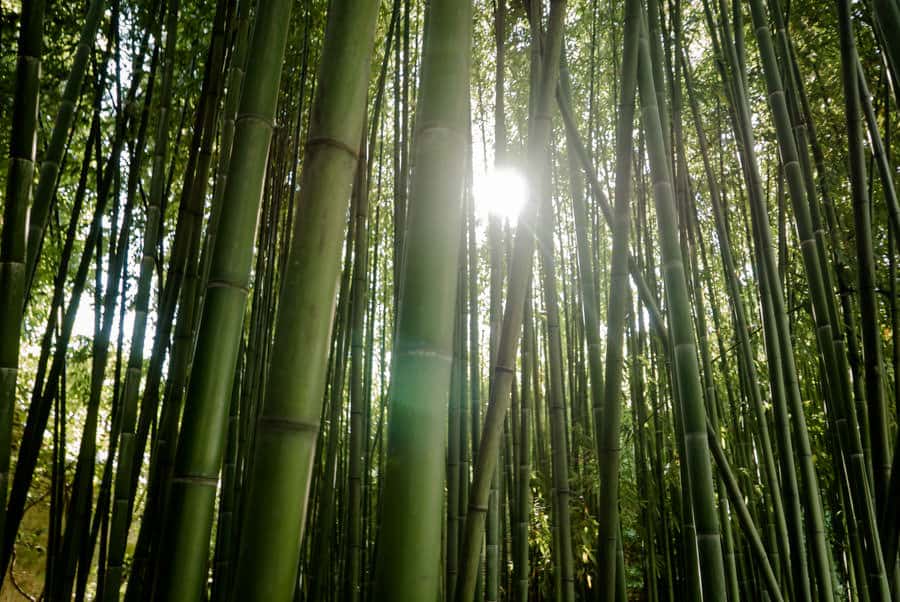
501 192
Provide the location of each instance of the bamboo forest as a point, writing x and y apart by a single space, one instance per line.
450 300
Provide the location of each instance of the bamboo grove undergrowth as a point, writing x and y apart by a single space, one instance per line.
449 300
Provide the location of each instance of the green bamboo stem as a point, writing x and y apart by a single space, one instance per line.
805 129
862 218
637 389
492 540
492 521
286 431
457 398
690 391
890 522
225 532
801 128
39 411
804 114
62 126
785 383
644 291
78 517
742 330
468 420
185 544
657 60
689 214
183 261
358 433
495 243
17 197
887 22
519 277
58 575
408 565
878 151
121 509
521 560
608 416
556 401
322 539
827 335
86 536
182 281
368 493
737 501
234 85
182 258
45 391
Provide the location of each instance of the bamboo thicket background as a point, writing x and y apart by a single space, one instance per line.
449 300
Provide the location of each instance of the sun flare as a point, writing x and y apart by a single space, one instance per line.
501 192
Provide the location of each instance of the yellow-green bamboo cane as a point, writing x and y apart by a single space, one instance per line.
409 560
286 432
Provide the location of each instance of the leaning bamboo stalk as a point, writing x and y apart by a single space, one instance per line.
786 385
878 151
690 235
17 195
741 328
183 553
79 485
519 277
644 291
183 264
182 281
39 410
78 517
834 356
737 501
685 364
285 433
62 126
122 507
